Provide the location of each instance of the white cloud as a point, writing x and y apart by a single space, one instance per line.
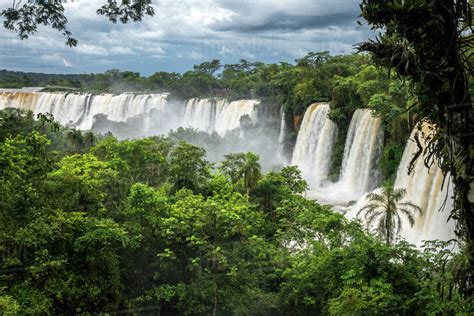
89 49
121 51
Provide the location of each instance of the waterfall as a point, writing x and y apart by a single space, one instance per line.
424 188
200 114
281 137
314 144
121 107
80 110
359 166
19 100
66 109
217 114
363 145
229 116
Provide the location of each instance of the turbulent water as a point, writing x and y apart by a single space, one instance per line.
218 115
229 115
81 110
121 107
359 167
363 144
314 145
424 188
200 114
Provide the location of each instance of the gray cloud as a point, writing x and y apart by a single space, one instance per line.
282 21
187 32
257 16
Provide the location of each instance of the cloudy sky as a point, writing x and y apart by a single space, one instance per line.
186 32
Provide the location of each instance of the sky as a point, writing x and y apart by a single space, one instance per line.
187 32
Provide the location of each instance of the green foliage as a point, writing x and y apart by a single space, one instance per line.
80 183
390 160
188 168
93 225
384 211
250 171
141 160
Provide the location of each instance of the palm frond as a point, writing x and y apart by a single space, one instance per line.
376 197
371 219
409 216
398 223
369 208
398 194
415 207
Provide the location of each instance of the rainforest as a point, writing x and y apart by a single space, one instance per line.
334 184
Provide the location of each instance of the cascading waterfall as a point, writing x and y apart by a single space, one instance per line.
359 172
363 143
229 117
121 107
81 110
19 100
218 115
424 188
66 109
200 114
78 110
314 144
281 137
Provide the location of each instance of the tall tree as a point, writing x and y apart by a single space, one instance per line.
387 209
431 43
188 167
250 172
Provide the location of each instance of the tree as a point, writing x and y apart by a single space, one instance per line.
140 160
77 140
430 42
188 168
231 165
208 67
25 19
250 172
387 209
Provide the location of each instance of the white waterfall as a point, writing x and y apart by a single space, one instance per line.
281 137
121 107
424 188
364 141
229 117
200 114
217 115
358 173
80 110
312 153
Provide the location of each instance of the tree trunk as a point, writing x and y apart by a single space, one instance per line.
214 311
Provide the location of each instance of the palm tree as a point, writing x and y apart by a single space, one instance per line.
384 211
77 139
250 171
